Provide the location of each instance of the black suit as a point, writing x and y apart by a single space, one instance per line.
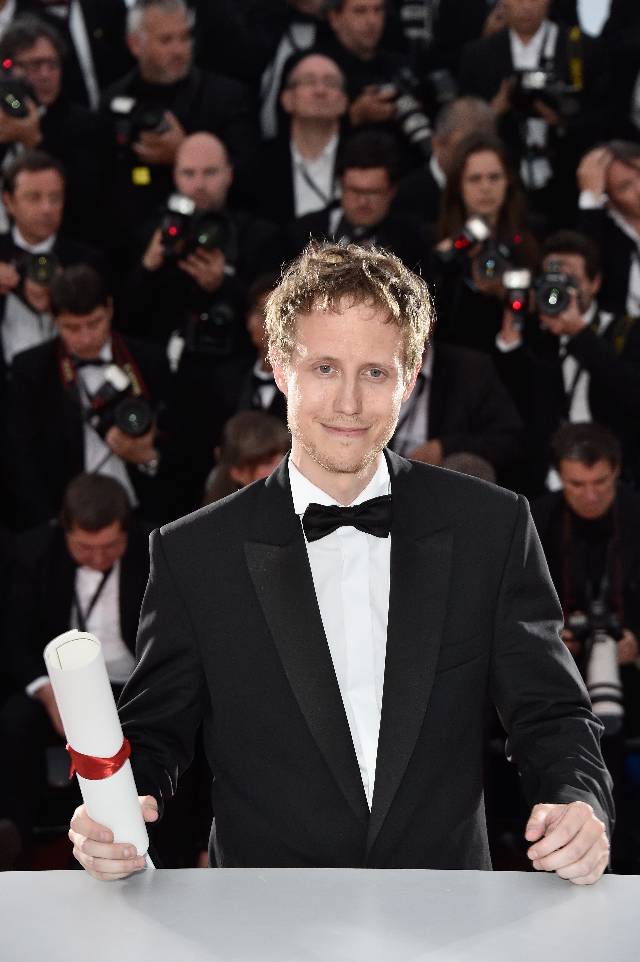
45 429
231 634
273 181
617 251
420 194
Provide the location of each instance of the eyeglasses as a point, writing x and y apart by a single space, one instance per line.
365 191
309 80
50 64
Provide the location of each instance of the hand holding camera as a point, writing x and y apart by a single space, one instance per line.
206 267
375 105
160 146
9 278
23 130
134 450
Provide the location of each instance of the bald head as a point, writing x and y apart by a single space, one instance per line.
202 171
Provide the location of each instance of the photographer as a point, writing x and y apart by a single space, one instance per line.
381 84
574 361
482 231
89 400
368 174
154 107
609 184
34 197
548 85
590 532
87 570
201 261
299 165
67 131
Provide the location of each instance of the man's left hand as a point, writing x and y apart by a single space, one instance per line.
569 840
155 148
628 650
206 268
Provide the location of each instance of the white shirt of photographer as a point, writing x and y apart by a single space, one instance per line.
22 326
351 577
98 456
528 56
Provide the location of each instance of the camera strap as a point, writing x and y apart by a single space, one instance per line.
82 617
612 581
121 357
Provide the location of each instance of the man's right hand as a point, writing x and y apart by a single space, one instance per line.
9 277
592 171
373 106
94 848
21 130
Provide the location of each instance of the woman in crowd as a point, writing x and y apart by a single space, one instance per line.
482 231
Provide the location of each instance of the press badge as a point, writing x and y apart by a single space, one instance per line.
140 176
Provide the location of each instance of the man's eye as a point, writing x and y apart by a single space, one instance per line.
324 368
376 373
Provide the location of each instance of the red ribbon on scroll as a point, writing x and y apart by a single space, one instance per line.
94 768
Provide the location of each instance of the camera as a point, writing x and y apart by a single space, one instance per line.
117 405
545 85
212 331
39 268
474 232
182 228
600 629
409 110
553 290
599 620
14 91
493 260
133 118
517 284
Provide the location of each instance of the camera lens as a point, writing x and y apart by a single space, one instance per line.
133 416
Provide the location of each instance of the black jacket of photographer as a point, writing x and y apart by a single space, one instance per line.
617 253
533 374
159 302
45 431
576 551
200 102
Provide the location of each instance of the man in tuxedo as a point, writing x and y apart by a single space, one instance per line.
259 389
61 417
33 195
313 624
582 364
368 175
86 570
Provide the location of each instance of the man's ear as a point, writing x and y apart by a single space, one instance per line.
286 101
7 201
411 383
597 284
134 44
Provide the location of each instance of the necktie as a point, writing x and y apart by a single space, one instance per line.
89 362
372 517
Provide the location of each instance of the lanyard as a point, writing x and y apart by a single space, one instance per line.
83 616
310 182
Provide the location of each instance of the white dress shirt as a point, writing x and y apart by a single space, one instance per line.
266 390
103 622
313 180
531 56
351 577
98 456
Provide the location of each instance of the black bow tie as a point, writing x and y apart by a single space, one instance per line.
372 517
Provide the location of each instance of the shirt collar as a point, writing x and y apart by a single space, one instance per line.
327 152
304 492
44 247
545 31
624 225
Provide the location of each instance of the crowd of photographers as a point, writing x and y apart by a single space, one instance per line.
160 160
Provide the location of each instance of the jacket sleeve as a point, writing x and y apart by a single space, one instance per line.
163 702
553 736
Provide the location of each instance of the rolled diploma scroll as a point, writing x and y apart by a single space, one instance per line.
78 674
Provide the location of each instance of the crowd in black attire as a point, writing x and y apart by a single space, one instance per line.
159 163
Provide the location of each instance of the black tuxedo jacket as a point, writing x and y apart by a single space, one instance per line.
419 194
231 635
46 437
617 251
41 598
273 181
278 406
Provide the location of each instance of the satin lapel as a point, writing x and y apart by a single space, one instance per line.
279 568
420 572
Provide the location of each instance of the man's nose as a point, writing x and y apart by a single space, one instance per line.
348 400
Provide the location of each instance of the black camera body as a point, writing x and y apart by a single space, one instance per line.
14 92
132 118
493 260
474 232
116 405
39 268
545 85
183 229
553 290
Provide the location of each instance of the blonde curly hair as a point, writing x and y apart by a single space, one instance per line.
332 277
